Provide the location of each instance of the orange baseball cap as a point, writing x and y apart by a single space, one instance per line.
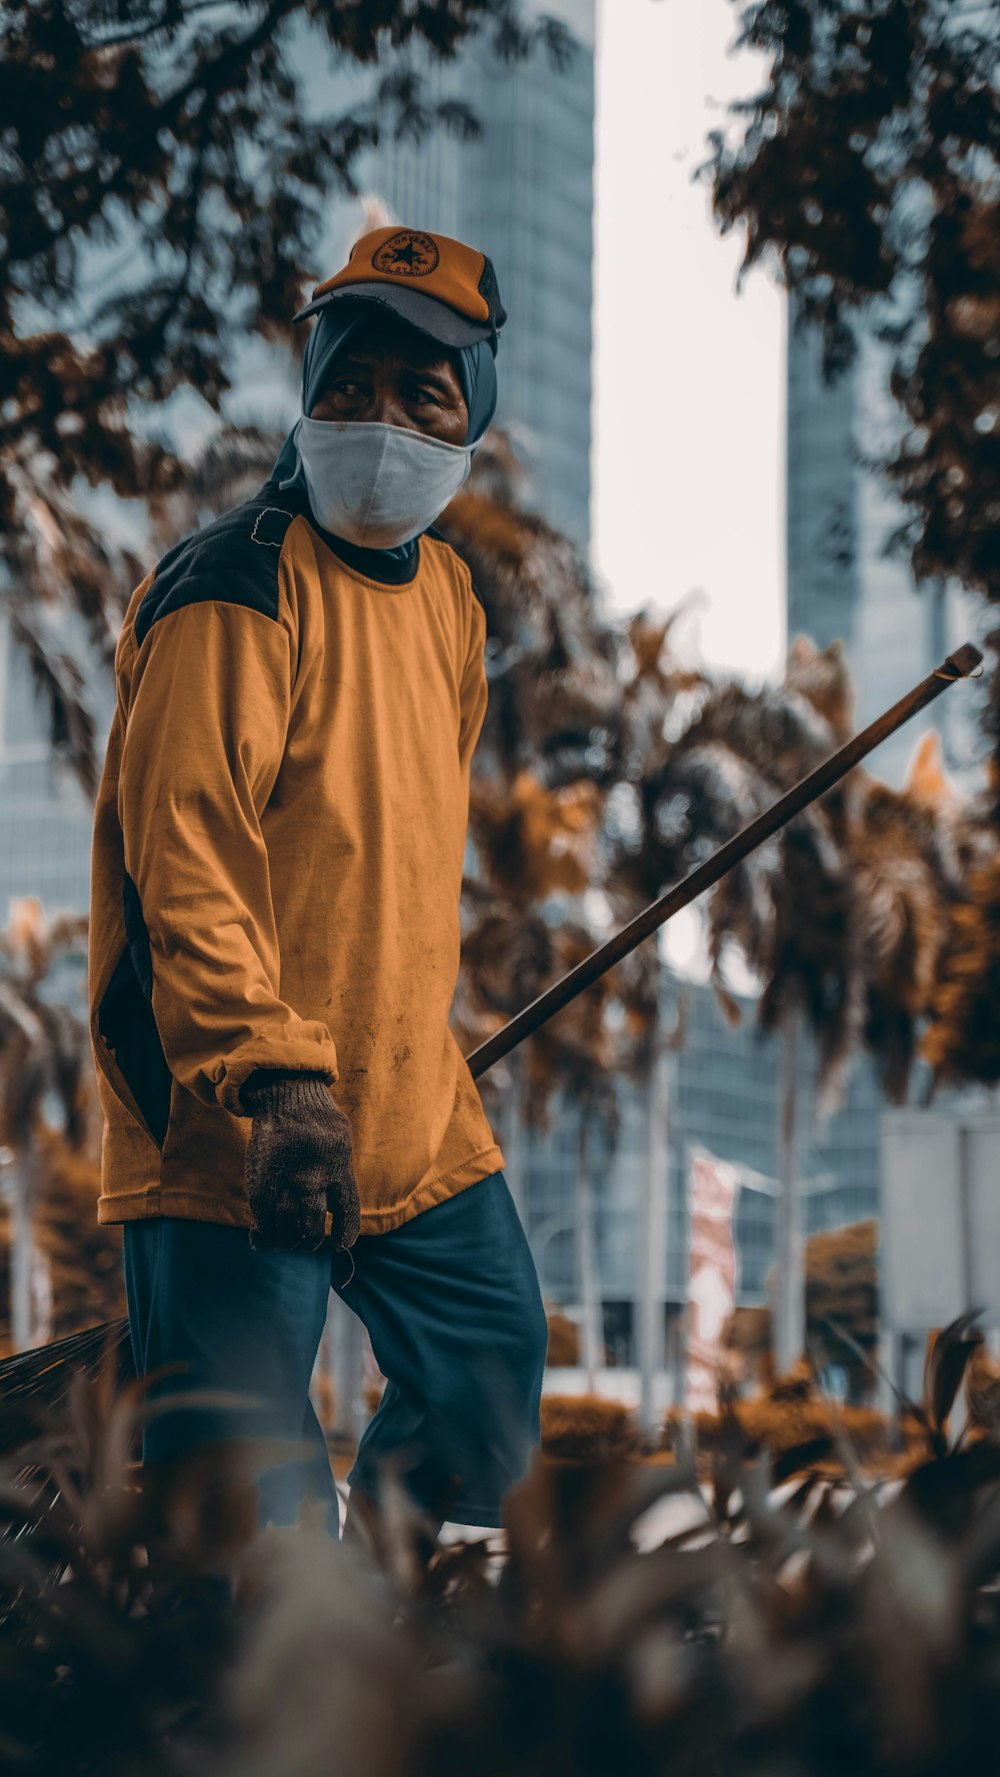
439 285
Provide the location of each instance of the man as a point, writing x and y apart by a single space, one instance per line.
277 863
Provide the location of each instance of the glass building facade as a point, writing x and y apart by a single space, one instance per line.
725 1087
523 193
846 581
46 819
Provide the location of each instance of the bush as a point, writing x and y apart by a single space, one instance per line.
587 1428
144 1627
589 1658
792 1414
564 1340
841 1278
785 1425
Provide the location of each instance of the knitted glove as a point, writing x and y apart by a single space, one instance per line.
299 1172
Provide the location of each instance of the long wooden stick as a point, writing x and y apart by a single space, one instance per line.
957 666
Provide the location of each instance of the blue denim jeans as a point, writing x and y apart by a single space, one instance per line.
455 1316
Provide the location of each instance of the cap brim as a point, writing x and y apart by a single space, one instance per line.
425 313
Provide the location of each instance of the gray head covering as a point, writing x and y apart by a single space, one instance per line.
335 324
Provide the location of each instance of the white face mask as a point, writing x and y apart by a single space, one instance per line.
378 485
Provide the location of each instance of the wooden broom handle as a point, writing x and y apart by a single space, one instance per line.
957 666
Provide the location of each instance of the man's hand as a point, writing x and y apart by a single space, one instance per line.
299 1165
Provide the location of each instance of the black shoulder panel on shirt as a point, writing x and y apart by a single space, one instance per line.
235 558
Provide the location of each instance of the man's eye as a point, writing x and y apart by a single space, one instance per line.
345 387
422 393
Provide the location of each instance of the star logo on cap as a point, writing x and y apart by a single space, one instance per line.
407 254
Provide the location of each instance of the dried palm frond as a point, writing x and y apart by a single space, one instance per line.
777 732
787 906
843 915
32 942
982 1393
43 1044
498 472
817 960
661 695
705 793
649 639
927 781
506 959
84 1256
577 1048
555 695
636 982
906 877
115 1602
735 757
822 676
507 955
36 1386
44 1050
535 841
963 1040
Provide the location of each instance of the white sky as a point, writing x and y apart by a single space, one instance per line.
688 459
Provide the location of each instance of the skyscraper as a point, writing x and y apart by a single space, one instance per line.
46 819
725 1088
844 581
524 194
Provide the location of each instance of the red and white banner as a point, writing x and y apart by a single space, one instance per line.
713 1189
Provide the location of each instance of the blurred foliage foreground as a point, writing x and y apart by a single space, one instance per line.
770 1615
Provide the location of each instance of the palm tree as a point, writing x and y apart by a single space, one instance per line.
661 694
64 585
557 733
737 752
840 918
963 1041
44 1050
555 703
511 953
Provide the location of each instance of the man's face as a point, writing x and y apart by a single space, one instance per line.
394 374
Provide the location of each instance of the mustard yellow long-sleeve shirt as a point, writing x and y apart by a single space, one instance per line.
277 862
